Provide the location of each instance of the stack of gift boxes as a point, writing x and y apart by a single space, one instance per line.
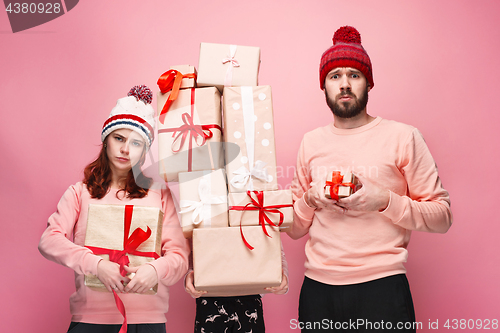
222 153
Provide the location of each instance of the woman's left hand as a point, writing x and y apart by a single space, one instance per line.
144 279
282 288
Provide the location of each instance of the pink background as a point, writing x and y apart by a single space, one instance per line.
435 66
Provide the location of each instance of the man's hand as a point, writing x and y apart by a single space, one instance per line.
144 279
369 198
189 286
109 274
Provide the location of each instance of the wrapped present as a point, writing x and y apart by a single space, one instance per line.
224 266
189 74
228 65
340 186
177 77
128 235
274 208
248 123
190 137
203 200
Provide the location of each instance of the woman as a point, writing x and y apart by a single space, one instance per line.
115 178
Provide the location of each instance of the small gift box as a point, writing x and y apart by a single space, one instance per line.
224 266
189 75
274 208
128 235
228 65
203 200
248 125
340 186
189 138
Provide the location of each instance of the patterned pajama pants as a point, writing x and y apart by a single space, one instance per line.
239 314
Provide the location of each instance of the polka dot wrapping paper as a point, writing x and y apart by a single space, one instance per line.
248 123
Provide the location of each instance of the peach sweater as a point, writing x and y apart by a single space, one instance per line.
359 246
62 242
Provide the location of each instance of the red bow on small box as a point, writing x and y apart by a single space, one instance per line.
130 245
335 183
258 204
171 80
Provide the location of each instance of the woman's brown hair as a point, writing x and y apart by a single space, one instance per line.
97 177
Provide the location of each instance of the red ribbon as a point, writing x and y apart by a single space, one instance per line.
189 128
335 183
121 308
171 80
263 211
130 245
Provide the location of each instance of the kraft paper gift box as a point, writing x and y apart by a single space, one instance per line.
341 186
228 65
248 123
116 230
224 266
190 137
187 82
244 208
203 200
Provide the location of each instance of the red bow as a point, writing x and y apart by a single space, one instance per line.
263 211
171 80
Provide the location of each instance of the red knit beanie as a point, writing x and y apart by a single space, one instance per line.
346 52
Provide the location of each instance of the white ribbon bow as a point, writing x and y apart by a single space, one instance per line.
232 63
243 176
202 209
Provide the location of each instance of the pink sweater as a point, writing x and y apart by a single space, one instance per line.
70 221
363 246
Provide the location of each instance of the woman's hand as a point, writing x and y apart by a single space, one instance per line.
109 274
144 279
189 286
282 288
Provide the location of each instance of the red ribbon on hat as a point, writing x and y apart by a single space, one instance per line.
258 204
130 245
171 80
335 183
190 128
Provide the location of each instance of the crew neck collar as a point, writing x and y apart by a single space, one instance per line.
356 130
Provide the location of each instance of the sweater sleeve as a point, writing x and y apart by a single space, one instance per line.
55 243
173 263
303 214
426 207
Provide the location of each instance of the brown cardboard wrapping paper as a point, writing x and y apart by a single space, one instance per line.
251 217
343 191
105 229
247 109
209 156
213 65
224 266
186 69
213 213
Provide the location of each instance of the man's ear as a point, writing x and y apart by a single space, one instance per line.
369 88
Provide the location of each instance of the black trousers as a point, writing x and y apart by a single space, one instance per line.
131 328
239 314
380 305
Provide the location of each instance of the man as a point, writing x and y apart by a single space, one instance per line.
355 279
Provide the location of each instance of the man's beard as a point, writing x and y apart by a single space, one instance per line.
347 109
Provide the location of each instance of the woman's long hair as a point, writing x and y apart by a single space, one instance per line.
97 177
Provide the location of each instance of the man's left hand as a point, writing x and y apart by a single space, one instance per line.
368 198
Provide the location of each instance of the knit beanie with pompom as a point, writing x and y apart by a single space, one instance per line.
133 112
346 52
